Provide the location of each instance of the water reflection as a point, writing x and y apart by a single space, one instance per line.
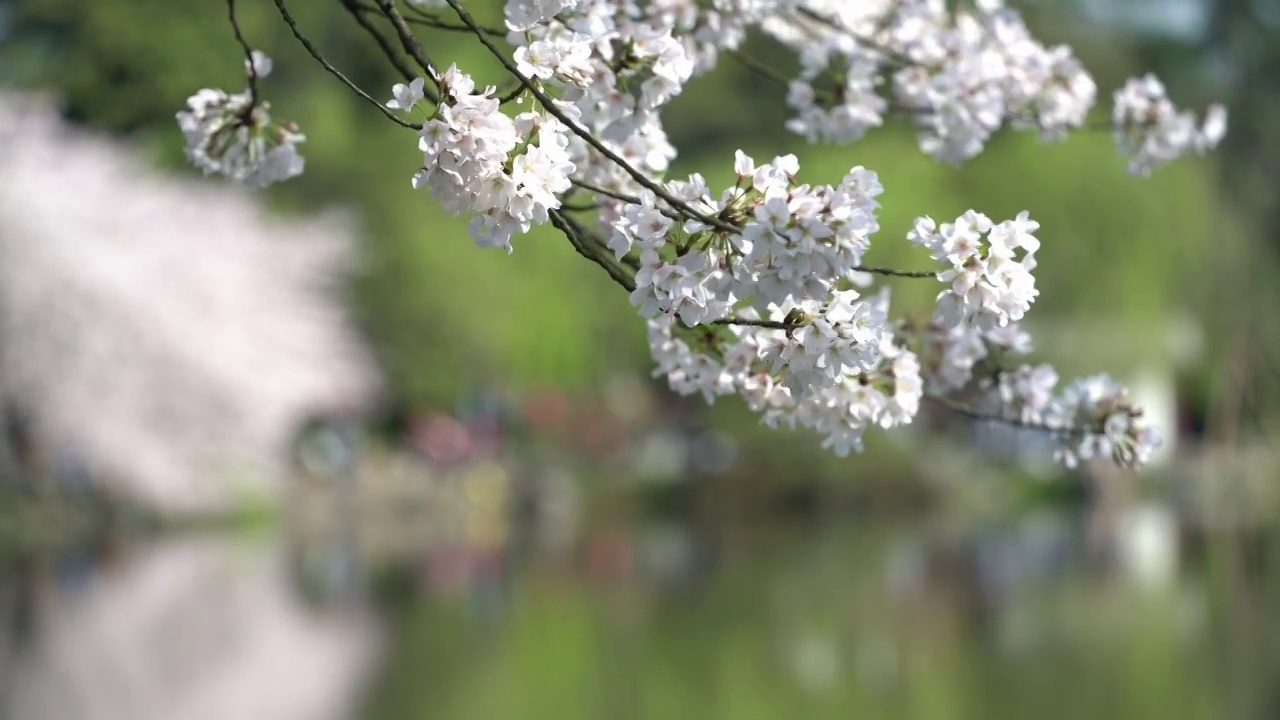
1116 611
193 628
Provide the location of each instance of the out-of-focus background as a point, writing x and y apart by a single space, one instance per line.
309 454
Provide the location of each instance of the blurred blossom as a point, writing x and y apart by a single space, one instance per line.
662 456
668 554
546 408
445 440
170 332
815 660
557 505
1147 545
713 452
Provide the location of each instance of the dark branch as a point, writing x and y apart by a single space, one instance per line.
591 251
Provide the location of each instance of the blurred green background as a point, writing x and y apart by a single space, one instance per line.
924 579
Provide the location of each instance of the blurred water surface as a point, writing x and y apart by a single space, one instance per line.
1124 611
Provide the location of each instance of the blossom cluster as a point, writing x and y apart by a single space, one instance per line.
233 135
1091 417
990 273
961 75
789 242
1152 132
838 375
506 172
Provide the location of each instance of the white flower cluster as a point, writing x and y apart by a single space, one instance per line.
618 67
848 111
837 375
507 172
231 135
1151 131
794 243
525 14
949 353
962 75
990 274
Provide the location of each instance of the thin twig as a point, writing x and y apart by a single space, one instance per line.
511 94
426 19
831 22
759 68
250 67
961 409
315 53
624 197
755 322
896 273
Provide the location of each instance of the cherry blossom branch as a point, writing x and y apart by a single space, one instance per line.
887 52
690 260
550 106
871 269
315 53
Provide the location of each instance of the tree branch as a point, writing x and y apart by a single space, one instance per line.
572 231
755 322
960 408
424 18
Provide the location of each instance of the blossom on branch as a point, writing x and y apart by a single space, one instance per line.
760 289
233 134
